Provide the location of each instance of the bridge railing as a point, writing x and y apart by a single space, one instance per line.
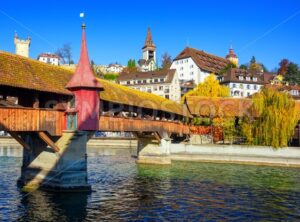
115 124
30 119
17 119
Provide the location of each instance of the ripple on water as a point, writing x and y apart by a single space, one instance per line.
181 192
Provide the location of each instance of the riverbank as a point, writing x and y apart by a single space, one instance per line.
235 154
238 154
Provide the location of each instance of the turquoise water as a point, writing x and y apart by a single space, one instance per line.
124 191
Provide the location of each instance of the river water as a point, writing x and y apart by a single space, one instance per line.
124 191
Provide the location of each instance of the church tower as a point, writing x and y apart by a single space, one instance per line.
149 49
232 57
22 46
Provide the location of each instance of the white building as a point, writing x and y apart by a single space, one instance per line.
22 46
193 64
49 58
114 68
148 61
244 83
164 83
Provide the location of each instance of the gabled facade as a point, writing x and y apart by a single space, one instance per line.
163 83
244 83
49 58
193 64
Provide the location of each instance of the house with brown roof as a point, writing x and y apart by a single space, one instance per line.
244 83
164 83
193 64
49 58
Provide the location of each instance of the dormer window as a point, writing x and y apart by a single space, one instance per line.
241 77
248 78
255 79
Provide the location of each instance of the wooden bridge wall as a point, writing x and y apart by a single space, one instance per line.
36 120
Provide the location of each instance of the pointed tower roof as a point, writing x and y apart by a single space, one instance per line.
84 76
231 54
149 40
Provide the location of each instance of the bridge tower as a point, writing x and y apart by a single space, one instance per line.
64 168
86 90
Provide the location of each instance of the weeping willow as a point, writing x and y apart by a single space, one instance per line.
277 118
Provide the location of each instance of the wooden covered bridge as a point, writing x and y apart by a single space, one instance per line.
52 113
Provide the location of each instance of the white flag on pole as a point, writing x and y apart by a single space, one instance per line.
81 14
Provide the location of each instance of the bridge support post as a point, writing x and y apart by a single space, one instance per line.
62 171
154 151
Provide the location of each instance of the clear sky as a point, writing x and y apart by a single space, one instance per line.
116 30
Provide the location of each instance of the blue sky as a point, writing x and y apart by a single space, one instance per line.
116 30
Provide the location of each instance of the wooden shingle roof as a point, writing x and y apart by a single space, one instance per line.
20 72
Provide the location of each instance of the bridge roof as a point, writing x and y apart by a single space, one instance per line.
227 107
20 72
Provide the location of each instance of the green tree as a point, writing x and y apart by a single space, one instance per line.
244 66
131 66
292 74
277 116
166 61
283 66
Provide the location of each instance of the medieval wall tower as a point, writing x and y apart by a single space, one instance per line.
22 46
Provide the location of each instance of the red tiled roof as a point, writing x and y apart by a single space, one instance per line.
48 55
204 60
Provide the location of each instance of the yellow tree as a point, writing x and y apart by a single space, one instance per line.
277 117
209 88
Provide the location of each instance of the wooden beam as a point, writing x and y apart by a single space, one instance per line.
48 141
19 140
157 137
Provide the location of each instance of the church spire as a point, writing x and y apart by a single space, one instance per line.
84 76
149 40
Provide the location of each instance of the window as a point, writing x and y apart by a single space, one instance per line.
155 88
192 73
192 66
139 81
233 85
161 80
181 75
186 61
181 68
128 82
255 87
248 78
161 88
248 94
241 86
248 86
167 96
181 61
176 62
156 80
255 79
241 77
144 81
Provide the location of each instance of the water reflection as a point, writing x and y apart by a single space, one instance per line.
181 192
43 206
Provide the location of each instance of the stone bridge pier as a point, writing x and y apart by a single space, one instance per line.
154 149
64 170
